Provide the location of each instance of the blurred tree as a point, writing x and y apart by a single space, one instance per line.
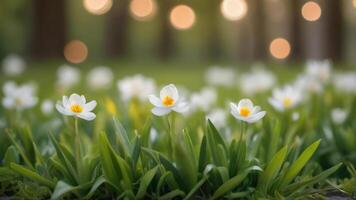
165 41
252 33
212 29
322 39
49 28
117 29
294 30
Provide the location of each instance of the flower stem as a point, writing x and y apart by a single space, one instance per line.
77 147
171 131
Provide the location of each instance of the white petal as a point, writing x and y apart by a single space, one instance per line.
83 99
75 99
256 109
245 103
90 106
65 101
181 107
169 90
8 102
254 118
160 111
86 115
155 100
276 104
62 110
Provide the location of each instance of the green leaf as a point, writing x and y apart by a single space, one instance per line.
298 165
233 182
98 182
172 195
272 168
11 156
61 189
31 175
145 182
196 188
310 181
122 136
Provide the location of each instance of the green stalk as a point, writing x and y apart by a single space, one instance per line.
77 148
171 134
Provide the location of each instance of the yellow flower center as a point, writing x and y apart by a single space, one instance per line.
245 111
76 108
287 102
168 101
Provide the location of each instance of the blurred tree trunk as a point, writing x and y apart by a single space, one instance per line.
323 38
49 28
252 33
165 41
295 33
117 29
334 29
213 34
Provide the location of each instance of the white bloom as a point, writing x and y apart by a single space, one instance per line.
220 76
217 117
204 99
345 82
257 81
13 65
76 106
67 76
136 86
153 135
309 84
295 116
338 115
285 98
19 97
245 111
100 78
47 107
168 100
319 69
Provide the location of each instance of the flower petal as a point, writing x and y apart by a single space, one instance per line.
254 118
86 115
169 90
90 106
155 100
245 103
160 111
276 104
181 107
75 99
62 110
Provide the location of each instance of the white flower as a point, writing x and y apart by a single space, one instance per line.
338 115
67 76
204 99
76 106
47 107
295 116
19 97
309 83
257 81
319 69
153 135
217 117
285 98
13 65
220 76
245 111
100 78
136 86
345 82
168 100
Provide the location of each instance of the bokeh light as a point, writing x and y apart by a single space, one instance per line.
143 10
280 48
311 11
182 17
75 51
354 3
97 7
233 10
